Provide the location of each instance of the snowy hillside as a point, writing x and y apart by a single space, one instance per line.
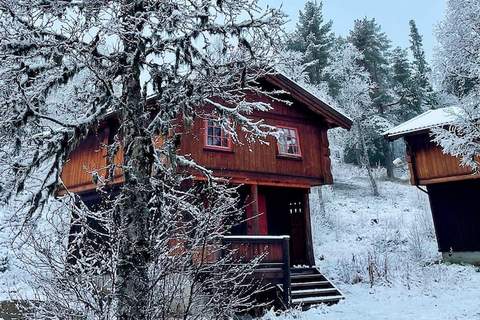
382 254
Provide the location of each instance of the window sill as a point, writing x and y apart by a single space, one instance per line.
218 149
290 157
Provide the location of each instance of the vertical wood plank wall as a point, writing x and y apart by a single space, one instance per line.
428 163
246 160
89 157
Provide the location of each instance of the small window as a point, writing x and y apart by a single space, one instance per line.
288 142
216 137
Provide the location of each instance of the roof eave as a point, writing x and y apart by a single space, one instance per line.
333 117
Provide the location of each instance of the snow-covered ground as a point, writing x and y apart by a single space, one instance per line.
382 253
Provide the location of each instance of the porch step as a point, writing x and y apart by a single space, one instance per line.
307 277
310 287
316 284
314 292
308 301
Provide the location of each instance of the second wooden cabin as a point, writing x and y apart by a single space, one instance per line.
452 188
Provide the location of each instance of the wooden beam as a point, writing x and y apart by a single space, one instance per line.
308 229
254 207
425 182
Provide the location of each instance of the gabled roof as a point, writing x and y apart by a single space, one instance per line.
333 117
424 122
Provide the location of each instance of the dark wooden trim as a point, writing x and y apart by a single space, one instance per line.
411 165
308 230
286 272
275 177
424 182
254 204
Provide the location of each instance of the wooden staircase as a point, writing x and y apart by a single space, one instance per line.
309 287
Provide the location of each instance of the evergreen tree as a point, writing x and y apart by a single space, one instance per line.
403 86
422 93
313 37
374 45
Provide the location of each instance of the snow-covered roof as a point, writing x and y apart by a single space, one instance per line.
428 120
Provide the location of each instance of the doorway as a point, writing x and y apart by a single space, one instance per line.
286 212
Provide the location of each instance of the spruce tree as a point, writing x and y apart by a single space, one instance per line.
422 91
403 85
373 43
314 38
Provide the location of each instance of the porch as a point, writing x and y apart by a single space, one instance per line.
294 286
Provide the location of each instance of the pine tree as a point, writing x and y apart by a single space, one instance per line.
403 86
374 45
422 93
313 37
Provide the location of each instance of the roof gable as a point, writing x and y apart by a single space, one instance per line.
333 117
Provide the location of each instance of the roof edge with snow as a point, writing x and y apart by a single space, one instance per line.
424 122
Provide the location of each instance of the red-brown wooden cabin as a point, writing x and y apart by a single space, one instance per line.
452 188
276 178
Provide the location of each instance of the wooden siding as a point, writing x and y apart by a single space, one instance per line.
89 157
250 163
429 165
260 163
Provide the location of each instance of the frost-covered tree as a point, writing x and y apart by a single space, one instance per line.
68 65
354 97
368 37
403 86
458 69
422 93
314 38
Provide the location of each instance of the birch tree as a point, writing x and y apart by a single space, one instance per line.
66 66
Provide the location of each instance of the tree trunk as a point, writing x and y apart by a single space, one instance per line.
366 161
131 213
388 159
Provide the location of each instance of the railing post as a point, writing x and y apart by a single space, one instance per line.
286 271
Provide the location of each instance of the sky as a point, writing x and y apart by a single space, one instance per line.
392 15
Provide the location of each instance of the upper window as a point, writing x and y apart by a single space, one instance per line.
288 142
216 137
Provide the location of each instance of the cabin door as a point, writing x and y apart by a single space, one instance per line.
286 216
296 211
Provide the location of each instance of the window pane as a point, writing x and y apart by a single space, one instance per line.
288 141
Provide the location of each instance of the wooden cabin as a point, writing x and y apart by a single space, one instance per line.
451 188
276 180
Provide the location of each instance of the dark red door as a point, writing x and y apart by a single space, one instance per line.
296 211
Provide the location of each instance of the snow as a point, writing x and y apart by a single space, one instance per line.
393 235
428 120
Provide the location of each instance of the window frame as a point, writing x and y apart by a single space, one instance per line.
207 146
298 155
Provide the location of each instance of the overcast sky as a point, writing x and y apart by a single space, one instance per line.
392 15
